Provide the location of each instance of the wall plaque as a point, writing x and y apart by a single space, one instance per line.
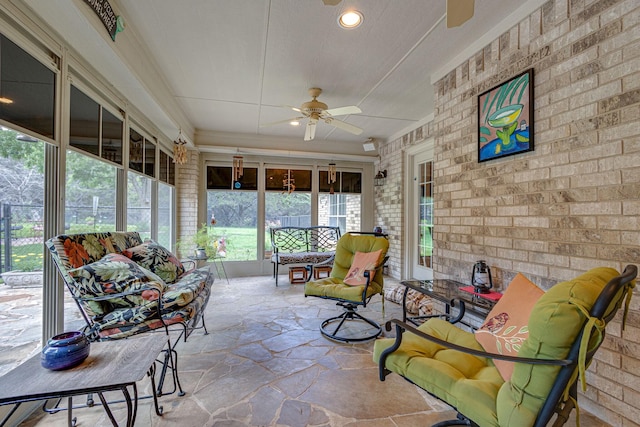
114 24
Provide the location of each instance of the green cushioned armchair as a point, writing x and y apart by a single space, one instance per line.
566 327
351 296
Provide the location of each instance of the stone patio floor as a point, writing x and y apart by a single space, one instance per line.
264 363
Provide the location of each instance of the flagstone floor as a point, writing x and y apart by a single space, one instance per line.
264 363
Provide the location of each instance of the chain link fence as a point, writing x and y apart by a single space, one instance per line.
22 232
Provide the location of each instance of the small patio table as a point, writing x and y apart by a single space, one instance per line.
111 365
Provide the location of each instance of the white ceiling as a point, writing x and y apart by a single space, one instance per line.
217 68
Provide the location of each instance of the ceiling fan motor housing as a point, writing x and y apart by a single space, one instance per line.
314 106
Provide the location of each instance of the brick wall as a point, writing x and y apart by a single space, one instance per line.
389 199
570 205
187 180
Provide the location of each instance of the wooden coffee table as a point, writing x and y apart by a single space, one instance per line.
111 365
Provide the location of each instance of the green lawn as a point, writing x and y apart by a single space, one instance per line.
241 242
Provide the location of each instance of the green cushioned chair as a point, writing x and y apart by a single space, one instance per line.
566 327
351 296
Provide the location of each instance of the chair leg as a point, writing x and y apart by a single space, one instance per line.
170 362
350 314
460 421
204 326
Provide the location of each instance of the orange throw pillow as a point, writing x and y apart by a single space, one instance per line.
362 261
506 326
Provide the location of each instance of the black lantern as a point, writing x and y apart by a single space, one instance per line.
380 178
481 277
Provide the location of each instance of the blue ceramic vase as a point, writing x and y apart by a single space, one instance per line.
65 351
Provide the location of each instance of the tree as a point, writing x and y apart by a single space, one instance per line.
233 208
22 163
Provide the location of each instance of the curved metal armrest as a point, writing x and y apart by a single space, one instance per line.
326 262
367 275
193 262
402 326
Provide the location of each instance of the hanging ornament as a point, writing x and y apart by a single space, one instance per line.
180 150
238 168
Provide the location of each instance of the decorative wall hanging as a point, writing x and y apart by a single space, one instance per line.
331 177
180 150
505 118
238 168
288 183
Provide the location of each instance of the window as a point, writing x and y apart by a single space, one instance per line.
166 200
165 214
339 203
27 89
139 204
136 151
111 137
287 180
233 212
90 202
166 169
220 178
149 158
22 185
94 129
84 126
425 214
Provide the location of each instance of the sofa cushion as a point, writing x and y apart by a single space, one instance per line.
158 259
185 290
362 261
506 326
556 320
115 273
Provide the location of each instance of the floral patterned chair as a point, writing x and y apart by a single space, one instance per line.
124 286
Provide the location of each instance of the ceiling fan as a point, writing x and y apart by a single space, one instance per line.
315 110
458 11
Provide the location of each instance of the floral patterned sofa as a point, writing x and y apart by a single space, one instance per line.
124 286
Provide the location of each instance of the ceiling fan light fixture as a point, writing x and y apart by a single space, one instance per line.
294 123
350 19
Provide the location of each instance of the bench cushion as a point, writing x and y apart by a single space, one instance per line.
301 257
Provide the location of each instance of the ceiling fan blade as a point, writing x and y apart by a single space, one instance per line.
459 12
344 126
262 125
343 111
293 108
310 131
331 2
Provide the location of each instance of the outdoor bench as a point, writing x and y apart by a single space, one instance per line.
302 245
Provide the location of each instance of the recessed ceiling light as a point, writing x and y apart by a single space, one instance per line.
294 123
4 100
350 19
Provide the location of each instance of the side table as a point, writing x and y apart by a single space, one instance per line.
449 292
111 365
